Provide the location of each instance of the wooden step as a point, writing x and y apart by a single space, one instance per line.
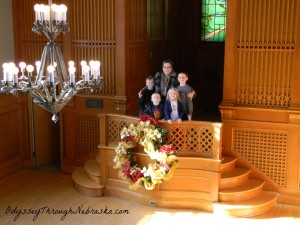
84 185
251 207
234 177
228 163
92 169
245 191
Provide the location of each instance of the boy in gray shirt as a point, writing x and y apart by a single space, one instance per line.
185 91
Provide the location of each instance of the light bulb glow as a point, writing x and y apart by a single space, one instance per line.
29 68
83 63
71 63
22 65
38 63
72 70
50 69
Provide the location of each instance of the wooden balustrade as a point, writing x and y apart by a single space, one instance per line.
190 138
196 179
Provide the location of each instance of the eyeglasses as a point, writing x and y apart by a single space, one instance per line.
167 67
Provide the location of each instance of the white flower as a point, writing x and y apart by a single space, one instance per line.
160 156
164 167
148 172
145 123
157 133
120 150
117 160
144 171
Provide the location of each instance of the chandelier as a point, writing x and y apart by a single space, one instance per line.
52 87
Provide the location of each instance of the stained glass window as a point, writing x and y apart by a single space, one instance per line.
213 20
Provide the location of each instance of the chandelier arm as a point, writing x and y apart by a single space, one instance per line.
68 94
40 76
38 96
45 89
62 74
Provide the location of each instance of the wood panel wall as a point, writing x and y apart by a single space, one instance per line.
131 38
14 132
260 107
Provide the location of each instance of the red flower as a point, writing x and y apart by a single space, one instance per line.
127 139
168 149
165 166
136 175
168 140
126 169
151 119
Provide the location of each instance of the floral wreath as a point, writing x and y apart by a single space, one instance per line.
156 143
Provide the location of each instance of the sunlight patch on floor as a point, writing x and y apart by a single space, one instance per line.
188 218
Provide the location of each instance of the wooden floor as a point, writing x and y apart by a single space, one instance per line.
45 197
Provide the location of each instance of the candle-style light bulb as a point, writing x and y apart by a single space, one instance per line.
15 75
72 74
22 66
50 70
63 10
54 10
37 9
29 69
11 65
87 73
83 64
38 66
5 69
98 64
71 64
92 64
4 65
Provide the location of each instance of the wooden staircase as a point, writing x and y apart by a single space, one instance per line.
240 195
87 179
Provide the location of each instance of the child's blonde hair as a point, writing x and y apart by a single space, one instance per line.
176 91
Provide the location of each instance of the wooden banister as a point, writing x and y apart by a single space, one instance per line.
190 138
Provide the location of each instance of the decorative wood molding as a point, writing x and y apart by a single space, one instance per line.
294 118
120 105
227 113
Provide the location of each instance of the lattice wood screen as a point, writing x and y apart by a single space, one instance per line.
114 129
193 141
93 37
266 149
87 135
265 52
